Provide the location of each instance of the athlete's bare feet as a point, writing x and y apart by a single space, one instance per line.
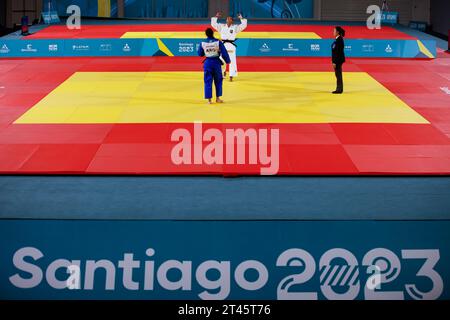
218 100
209 101
231 79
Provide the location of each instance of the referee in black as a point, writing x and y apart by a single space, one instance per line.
338 58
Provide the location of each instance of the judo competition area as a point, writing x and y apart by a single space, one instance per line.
87 122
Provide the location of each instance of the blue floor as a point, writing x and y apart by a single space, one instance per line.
442 44
215 198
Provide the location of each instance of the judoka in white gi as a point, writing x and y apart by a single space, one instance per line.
228 33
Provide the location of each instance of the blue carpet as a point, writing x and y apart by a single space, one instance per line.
442 44
214 198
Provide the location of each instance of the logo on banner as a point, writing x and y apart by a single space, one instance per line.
52 47
4 49
368 48
336 274
388 49
126 48
106 47
185 47
29 48
265 48
80 48
389 17
315 47
291 48
348 48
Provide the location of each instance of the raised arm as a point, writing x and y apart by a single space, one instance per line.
243 24
215 24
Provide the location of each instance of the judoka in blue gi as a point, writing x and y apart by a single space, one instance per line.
212 49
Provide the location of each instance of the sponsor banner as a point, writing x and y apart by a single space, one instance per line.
47 48
311 47
418 25
238 260
389 17
110 47
260 47
189 47
78 47
183 48
50 17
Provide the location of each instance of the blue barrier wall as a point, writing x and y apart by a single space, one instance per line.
192 260
89 8
199 8
188 47
291 9
287 9
166 8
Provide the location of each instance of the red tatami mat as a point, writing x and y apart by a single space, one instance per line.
337 148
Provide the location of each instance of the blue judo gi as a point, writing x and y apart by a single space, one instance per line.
212 49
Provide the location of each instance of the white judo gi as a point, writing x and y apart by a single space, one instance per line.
229 34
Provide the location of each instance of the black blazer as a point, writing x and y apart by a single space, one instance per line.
337 51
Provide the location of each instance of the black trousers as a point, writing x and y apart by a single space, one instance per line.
339 80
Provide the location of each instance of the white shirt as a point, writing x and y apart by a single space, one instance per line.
228 32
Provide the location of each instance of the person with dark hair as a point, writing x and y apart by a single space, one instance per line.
213 49
338 58
228 33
